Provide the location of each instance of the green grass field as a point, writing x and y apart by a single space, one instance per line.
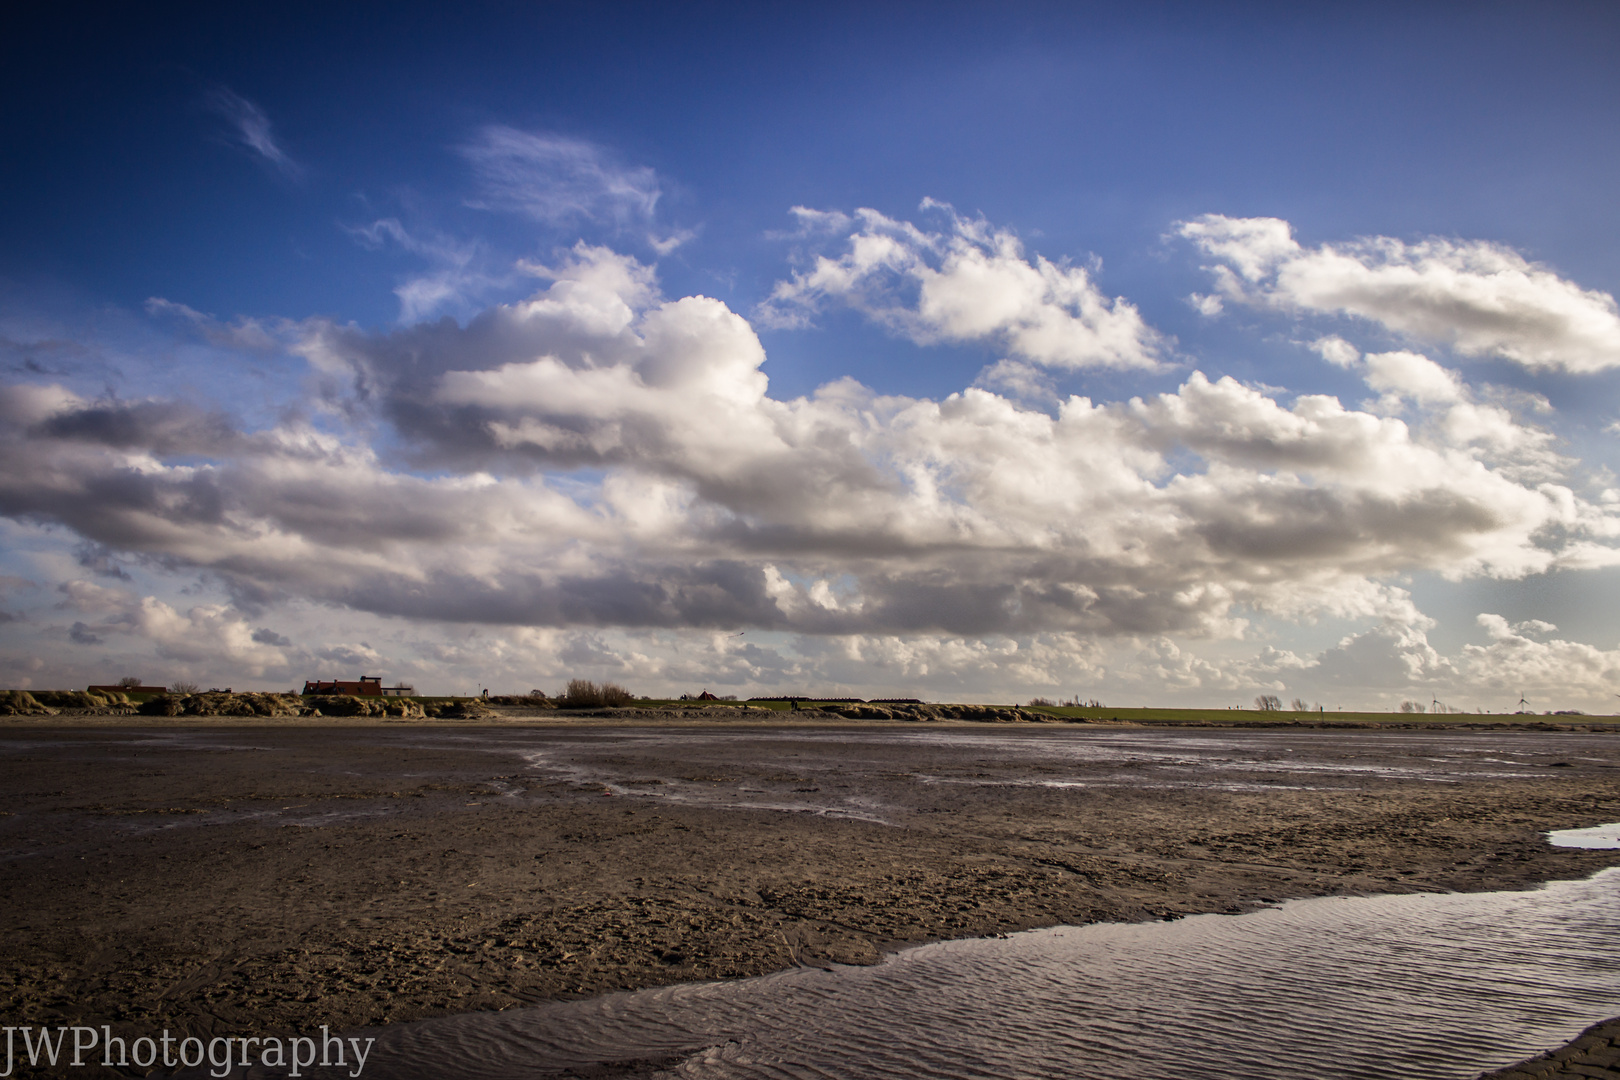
1285 716
1201 717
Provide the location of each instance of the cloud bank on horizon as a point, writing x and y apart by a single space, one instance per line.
597 474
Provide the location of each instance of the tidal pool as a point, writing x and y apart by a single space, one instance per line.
1597 836
1409 986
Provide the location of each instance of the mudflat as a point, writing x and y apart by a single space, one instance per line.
219 877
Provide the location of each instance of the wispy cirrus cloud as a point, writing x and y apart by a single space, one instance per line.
457 278
240 333
558 180
1477 297
251 127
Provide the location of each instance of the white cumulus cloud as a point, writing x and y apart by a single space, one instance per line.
1408 380
1477 297
967 282
602 455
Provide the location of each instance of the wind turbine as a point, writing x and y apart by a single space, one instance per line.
1522 702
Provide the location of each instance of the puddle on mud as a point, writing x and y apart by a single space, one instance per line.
1596 836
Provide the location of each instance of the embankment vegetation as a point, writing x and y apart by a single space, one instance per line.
584 694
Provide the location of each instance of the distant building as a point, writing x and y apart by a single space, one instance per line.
366 686
121 689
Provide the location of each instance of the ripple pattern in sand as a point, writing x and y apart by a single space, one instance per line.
1416 986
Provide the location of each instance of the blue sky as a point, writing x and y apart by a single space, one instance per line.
1051 301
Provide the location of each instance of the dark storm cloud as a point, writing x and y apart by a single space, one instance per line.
80 634
167 428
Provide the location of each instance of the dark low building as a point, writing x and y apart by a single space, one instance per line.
366 686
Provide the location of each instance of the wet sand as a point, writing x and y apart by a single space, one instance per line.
1595 1053
218 878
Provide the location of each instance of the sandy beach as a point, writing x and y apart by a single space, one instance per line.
219 877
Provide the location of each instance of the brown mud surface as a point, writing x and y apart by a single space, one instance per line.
213 878
1592 1055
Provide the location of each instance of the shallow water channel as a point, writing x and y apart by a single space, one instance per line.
1413 986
